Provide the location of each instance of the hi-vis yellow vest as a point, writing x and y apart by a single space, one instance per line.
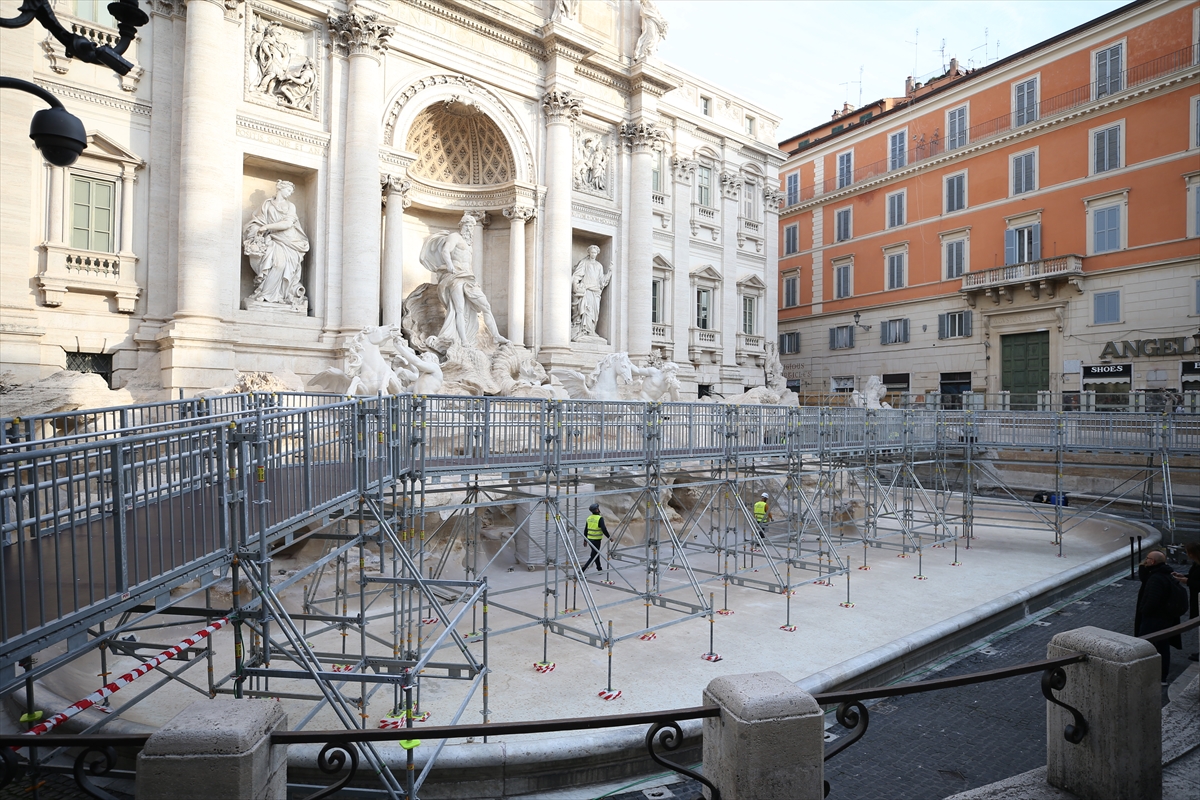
760 511
593 527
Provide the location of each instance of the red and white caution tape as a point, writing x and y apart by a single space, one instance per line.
126 679
605 694
788 628
429 621
648 637
392 723
342 667
710 657
724 612
544 666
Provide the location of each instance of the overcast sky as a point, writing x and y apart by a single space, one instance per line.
801 58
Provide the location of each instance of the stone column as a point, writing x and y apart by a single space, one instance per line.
127 179
644 140
482 220
731 301
518 216
54 232
216 748
391 284
207 122
683 315
768 743
1117 692
362 38
561 108
773 199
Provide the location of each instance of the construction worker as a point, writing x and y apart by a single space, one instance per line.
762 516
595 528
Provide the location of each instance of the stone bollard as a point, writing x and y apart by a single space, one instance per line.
216 748
768 743
1117 692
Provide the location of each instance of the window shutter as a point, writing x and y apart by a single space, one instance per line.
966 323
904 330
1102 73
942 325
833 338
1112 148
1010 247
1101 143
1027 169
1036 249
850 329
883 332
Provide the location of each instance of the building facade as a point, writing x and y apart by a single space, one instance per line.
1029 227
265 181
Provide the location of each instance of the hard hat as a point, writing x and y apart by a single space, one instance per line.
764 494
594 508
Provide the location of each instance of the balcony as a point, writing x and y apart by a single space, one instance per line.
704 344
1035 276
660 333
750 230
750 350
71 269
706 218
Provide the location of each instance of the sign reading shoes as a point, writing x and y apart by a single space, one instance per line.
1109 371
1177 346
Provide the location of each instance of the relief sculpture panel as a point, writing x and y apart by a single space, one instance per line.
281 65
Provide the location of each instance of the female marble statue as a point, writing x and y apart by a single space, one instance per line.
276 245
588 280
654 30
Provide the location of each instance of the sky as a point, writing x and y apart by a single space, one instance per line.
801 58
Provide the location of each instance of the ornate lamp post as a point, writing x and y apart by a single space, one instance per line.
57 133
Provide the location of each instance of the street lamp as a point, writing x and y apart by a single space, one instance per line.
857 317
56 132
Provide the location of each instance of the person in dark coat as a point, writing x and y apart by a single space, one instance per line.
1153 612
1192 582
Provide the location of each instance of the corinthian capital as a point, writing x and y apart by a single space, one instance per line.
642 137
353 33
773 198
522 213
684 168
561 105
395 189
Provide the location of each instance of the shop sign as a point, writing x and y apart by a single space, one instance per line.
1191 368
1177 346
1117 373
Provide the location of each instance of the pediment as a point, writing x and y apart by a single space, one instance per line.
706 272
662 263
100 146
752 282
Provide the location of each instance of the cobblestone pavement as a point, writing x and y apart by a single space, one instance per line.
937 744
921 746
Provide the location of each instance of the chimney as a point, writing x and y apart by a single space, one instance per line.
908 86
953 67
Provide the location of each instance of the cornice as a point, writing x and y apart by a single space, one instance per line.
493 27
97 98
317 141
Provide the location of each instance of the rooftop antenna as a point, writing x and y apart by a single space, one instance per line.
916 38
942 51
859 82
984 46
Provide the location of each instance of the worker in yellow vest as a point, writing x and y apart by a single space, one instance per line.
595 528
762 516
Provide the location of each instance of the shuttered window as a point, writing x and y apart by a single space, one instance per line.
845 169
1106 307
956 128
841 337
793 189
1107 146
1023 244
956 193
896 150
956 252
1108 71
1025 102
895 210
789 343
841 281
791 240
1024 173
791 291
1106 229
841 225
954 325
895 271
893 331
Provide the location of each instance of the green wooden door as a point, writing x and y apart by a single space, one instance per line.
1025 366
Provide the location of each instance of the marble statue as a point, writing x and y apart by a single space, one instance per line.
447 254
591 161
871 396
518 374
602 382
422 373
588 280
775 378
654 30
564 10
271 53
658 384
366 371
276 244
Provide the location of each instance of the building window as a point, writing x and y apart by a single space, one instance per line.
656 181
793 188
750 200
841 219
92 214
749 306
791 291
895 210
1025 108
954 325
791 240
956 258
789 343
1023 244
842 285
1024 173
893 331
1108 71
956 128
841 337
895 271
656 301
845 169
94 11
956 192
706 106
1194 196
897 153
1106 229
704 309
1106 307
704 186
1106 147
749 126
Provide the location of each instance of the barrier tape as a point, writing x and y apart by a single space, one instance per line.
604 694
544 666
126 679
788 628
648 637
713 657
429 621
724 612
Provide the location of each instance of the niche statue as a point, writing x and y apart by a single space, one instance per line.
276 244
588 280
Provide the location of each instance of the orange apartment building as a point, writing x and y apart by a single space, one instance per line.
1028 227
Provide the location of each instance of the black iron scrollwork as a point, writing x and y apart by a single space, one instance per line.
854 716
671 738
95 761
10 767
331 760
126 13
1054 680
